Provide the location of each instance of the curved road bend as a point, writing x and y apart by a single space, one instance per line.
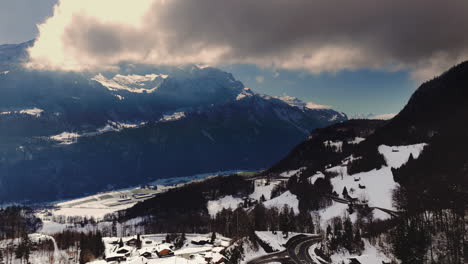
297 252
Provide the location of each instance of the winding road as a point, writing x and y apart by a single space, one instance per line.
297 252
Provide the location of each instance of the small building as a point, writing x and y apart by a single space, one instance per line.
165 253
200 241
215 258
132 242
124 250
116 257
147 255
114 242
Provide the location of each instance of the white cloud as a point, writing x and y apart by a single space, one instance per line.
383 116
311 105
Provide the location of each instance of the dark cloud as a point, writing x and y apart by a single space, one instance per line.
317 35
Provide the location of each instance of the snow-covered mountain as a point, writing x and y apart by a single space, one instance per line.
63 133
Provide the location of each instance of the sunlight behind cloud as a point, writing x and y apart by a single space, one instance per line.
98 34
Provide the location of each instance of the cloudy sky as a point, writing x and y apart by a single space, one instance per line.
361 56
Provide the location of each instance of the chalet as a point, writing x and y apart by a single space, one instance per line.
116 257
215 258
124 251
200 241
132 242
114 242
165 253
47 213
147 255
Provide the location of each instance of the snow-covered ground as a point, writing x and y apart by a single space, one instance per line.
263 187
316 176
67 138
375 186
287 198
397 156
356 140
378 184
292 172
335 210
225 202
370 255
172 117
246 92
250 252
131 83
36 112
100 204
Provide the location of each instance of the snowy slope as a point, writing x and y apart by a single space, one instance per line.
370 255
261 187
226 202
287 198
379 183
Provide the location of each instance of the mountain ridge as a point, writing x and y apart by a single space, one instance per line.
67 133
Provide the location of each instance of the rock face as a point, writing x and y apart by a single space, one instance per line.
65 134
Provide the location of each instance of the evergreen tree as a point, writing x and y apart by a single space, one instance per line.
138 241
348 235
179 241
358 243
121 244
284 221
114 228
260 217
213 238
345 192
329 232
23 250
262 199
410 243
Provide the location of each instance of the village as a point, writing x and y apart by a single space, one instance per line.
158 248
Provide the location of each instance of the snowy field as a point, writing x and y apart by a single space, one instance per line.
98 205
370 255
262 188
376 185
